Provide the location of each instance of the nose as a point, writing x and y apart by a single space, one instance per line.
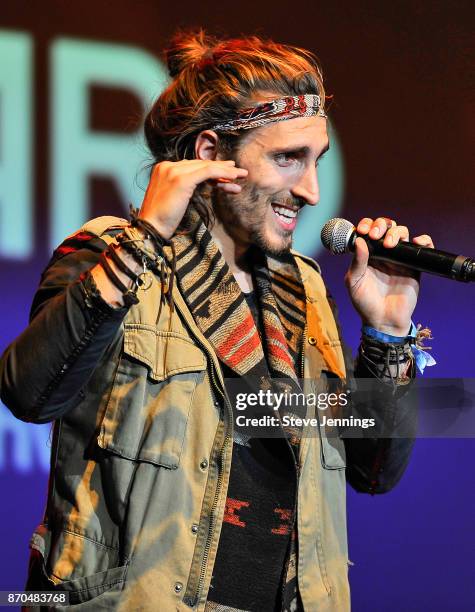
306 187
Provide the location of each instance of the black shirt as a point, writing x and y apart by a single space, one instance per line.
257 527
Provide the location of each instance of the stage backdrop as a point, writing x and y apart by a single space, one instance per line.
75 80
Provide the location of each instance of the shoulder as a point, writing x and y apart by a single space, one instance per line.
89 237
102 225
77 254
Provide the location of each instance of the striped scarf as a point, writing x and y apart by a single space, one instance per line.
223 316
220 310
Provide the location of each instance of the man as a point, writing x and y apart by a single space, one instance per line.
156 501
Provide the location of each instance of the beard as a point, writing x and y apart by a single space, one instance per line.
245 215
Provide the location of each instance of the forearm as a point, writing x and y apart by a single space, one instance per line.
125 268
384 392
44 369
376 465
76 314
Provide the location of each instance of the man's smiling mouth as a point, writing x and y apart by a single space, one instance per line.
285 214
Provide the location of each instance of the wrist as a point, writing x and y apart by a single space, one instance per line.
389 360
129 260
107 290
162 230
389 330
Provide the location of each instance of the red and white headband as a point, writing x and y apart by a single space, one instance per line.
308 105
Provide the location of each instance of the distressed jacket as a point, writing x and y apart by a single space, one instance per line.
142 445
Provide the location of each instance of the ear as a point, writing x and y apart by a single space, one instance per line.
206 145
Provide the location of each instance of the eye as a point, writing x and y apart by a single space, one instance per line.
285 159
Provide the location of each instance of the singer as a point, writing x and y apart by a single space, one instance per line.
154 501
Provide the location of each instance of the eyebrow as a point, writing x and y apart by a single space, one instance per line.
299 150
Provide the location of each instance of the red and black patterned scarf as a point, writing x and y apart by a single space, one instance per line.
220 310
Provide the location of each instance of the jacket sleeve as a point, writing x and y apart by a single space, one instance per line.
376 464
44 370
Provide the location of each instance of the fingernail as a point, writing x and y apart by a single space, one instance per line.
364 227
376 232
390 240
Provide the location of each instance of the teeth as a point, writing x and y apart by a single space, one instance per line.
285 212
287 220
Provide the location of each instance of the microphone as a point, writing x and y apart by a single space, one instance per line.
339 236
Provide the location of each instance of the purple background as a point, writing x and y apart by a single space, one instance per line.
402 87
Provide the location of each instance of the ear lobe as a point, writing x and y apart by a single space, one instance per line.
206 145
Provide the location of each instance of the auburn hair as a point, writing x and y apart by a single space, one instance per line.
214 79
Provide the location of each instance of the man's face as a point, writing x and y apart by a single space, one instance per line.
281 159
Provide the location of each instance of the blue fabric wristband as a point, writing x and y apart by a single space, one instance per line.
422 358
382 337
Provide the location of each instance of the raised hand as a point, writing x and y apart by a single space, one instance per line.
384 294
172 184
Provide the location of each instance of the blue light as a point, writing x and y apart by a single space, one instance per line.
331 178
25 447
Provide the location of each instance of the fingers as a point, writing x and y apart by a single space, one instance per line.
359 262
364 225
218 172
393 233
383 226
229 187
186 175
190 172
190 164
425 240
375 229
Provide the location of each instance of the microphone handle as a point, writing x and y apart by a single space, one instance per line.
423 259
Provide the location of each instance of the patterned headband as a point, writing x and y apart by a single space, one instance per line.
307 105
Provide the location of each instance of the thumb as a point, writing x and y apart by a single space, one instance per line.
360 258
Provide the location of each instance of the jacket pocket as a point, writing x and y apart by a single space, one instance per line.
332 447
85 589
52 553
332 452
147 411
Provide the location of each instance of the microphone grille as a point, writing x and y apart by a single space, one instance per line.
335 235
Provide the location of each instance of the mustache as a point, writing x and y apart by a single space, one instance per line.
278 198
289 201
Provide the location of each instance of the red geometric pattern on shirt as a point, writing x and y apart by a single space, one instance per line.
285 515
233 506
